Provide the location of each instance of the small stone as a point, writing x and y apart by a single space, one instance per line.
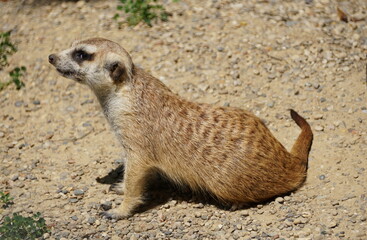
270 104
73 200
318 116
80 4
36 102
322 177
332 224
87 124
306 214
106 205
78 192
237 83
279 200
15 177
220 49
91 220
71 109
297 221
74 218
87 101
245 213
256 72
271 76
2 134
19 103
319 128
253 234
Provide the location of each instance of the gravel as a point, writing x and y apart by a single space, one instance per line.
262 56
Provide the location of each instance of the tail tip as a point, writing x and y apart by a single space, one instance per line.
294 114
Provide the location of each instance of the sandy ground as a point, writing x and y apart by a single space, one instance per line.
263 56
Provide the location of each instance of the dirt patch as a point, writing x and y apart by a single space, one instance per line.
264 56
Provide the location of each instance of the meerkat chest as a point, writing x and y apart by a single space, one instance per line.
118 110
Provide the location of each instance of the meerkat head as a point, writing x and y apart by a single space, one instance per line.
96 62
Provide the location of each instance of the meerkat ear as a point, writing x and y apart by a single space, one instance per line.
117 72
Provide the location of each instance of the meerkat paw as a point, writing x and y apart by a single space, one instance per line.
125 210
236 206
118 188
115 214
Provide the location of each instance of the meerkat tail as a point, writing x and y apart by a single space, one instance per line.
302 146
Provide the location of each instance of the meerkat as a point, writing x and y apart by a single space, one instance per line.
225 151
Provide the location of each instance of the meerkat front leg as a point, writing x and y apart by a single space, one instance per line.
118 187
133 189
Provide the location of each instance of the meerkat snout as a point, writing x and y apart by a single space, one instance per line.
52 59
225 151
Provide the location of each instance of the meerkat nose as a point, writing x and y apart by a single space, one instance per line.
52 58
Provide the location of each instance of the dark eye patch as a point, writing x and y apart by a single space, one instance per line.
81 55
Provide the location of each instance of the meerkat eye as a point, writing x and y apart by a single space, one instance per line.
81 55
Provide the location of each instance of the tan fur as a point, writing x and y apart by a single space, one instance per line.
225 151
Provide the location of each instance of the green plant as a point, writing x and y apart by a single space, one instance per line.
23 228
5 199
6 48
142 10
15 76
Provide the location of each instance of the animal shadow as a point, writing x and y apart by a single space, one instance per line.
160 190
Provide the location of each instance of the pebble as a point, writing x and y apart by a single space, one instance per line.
15 177
78 192
2 134
322 177
331 224
270 104
279 200
80 4
87 124
71 109
245 213
318 116
19 103
107 205
319 128
220 49
91 220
